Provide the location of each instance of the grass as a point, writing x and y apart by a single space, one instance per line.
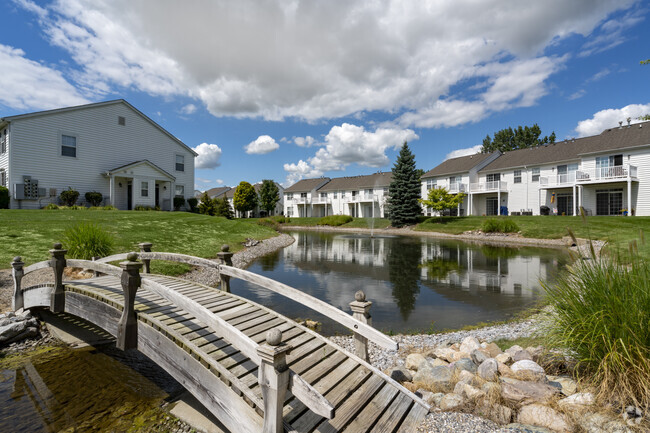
31 233
363 223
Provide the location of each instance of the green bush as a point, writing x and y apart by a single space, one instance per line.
192 202
69 196
179 202
4 197
268 222
334 220
146 208
509 226
600 312
87 240
51 206
504 225
108 207
94 198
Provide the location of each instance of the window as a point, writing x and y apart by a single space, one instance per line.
431 184
517 176
386 190
3 177
289 211
180 163
144 189
3 141
493 177
69 145
536 174
335 194
289 196
180 191
121 120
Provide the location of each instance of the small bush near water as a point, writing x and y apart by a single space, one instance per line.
87 240
334 220
601 312
273 221
494 225
69 196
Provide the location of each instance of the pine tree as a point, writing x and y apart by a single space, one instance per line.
404 190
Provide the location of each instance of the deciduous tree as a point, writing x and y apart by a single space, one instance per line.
513 139
404 190
245 198
269 195
440 200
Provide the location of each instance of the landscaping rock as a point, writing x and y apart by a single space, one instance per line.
543 416
521 355
478 356
472 393
522 428
504 358
528 366
400 374
451 402
513 349
414 360
522 392
465 364
469 344
425 395
439 363
457 356
491 388
489 369
436 376
444 353
466 377
535 352
503 369
436 398
496 412
567 385
578 400
601 423
493 350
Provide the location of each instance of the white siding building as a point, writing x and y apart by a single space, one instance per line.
109 147
302 199
357 196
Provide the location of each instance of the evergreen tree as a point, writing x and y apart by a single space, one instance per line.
269 195
404 190
245 198
207 205
223 209
513 139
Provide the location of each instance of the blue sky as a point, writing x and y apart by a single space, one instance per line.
285 90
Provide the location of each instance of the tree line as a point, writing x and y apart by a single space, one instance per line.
245 199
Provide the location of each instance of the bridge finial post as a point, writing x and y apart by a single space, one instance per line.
361 311
58 263
225 258
17 272
127 327
274 379
145 247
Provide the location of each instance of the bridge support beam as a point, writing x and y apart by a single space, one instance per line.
145 247
361 311
17 272
57 263
127 327
274 379
225 258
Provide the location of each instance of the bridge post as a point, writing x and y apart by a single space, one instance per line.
127 327
95 273
274 379
17 272
58 263
361 311
225 258
145 247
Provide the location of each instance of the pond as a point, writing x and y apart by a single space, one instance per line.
416 284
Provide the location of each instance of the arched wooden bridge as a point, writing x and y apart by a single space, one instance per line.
254 369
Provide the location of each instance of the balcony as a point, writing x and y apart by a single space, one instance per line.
301 200
361 198
494 186
567 179
619 172
321 200
455 188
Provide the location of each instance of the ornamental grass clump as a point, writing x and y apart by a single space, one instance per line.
600 312
498 225
87 240
334 220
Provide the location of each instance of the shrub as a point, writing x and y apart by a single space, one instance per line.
268 222
222 208
109 207
4 197
179 202
87 240
146 208
601 313
69 196
509 226
94 198
334 220
192 202
494 225
51 206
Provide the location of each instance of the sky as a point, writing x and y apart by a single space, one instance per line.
290 89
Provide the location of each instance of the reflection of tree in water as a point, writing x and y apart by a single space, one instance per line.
438 269
403 270
496 252
269 261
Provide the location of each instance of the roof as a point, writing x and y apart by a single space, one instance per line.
611 139
216 192
358 182
457 165
306 185
142 161
94 105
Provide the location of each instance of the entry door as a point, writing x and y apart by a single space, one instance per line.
565 204
157 195
491 206
129 196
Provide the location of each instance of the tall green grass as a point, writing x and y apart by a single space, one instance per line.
334 220
601 313
86 240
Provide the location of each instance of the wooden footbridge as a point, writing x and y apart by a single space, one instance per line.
254 369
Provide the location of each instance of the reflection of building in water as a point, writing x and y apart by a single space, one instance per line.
486 268
360 250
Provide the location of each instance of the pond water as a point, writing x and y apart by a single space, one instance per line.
416 284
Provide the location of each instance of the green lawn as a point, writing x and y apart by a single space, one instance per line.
31 233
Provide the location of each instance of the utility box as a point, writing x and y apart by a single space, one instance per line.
28 190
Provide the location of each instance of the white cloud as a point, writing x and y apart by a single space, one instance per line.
307 141
209 155
262 145
350 144
577 95
316 60
609 119
464 152
189 109
31 85
611 34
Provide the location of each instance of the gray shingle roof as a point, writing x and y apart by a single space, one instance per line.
461 164
307 185
376 180
217 192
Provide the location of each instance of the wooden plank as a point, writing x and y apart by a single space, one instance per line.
252 321
413 418
243 315
288 331
95 266
366 417
275 322
37 296
394 414
35 267
181 258
246 309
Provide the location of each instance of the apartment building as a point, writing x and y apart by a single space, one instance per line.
302 199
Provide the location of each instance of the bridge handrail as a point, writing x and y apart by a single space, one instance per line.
298 386
172 257
314 303
36 266
96 266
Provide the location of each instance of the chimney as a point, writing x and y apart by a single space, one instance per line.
629 119
620 124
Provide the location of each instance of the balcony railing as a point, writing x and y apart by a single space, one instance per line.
560 179
301 200
361 197
455 188
497 185
582 176
321 200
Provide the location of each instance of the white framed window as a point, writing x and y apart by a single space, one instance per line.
180 163
431 184
68 145
3 177
121 120
536 174
180 191
288 196
144 189
517 176
3 141
289 211
335 194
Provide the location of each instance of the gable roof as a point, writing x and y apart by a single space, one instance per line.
461 164
374 180
218 191
94 105
142 161
611 139
306 185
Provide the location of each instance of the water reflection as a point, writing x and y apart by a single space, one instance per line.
414 283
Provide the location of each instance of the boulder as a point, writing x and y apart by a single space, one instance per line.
400 374
472 393
469 344
493 350
478 356
11 330
451 402
567 385
528 365
503 369
436 397
491 388
489 369
601 423
466 377
577 401
543 416
513 349
496 412
465 364
521 355
439 362
444 353
504 358
535 352
522 392
435 377
424 395
459 355
413 360
521 428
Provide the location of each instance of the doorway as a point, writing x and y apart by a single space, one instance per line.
157 195
565 204
129 195
609 201
491 206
